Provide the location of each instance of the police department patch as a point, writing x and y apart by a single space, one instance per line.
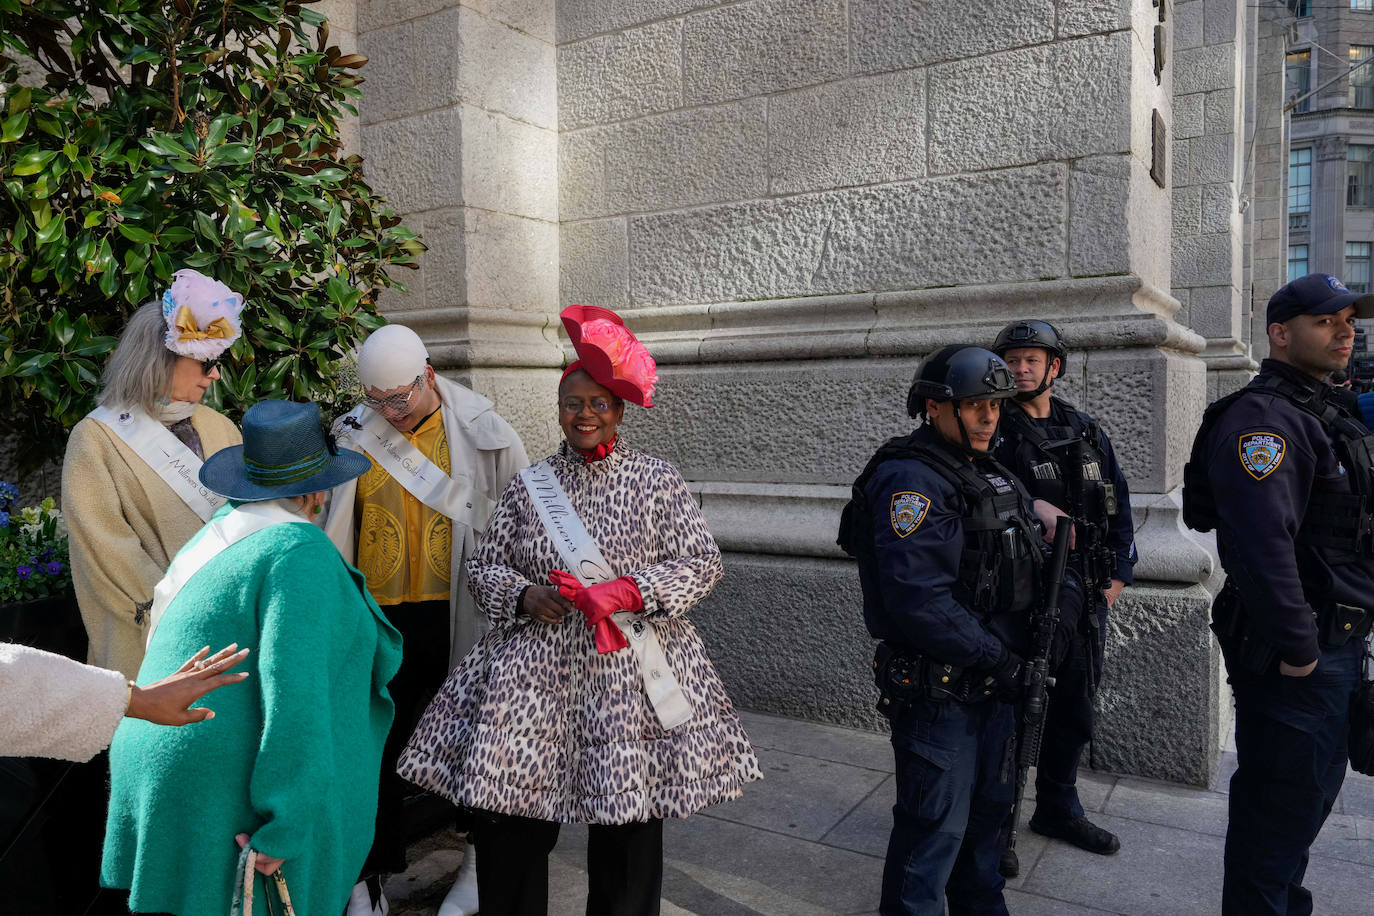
908 511
1261 453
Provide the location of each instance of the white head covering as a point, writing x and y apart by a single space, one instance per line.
391 356
202 315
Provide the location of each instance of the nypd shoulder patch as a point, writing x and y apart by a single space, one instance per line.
1261 453
908 511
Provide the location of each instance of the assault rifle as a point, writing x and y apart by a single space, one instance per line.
1091 502
1035 675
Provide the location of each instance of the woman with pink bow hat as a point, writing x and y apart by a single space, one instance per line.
592 699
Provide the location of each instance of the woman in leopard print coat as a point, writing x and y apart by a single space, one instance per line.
537 727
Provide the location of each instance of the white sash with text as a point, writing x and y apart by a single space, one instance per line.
451 496
164 453
584 560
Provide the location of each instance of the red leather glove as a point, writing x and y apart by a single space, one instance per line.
598 602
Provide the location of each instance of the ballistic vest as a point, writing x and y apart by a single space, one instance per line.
1000 560
1339 526
1064 465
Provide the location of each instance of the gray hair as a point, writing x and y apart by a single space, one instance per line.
139 372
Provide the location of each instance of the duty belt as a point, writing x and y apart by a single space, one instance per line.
903 676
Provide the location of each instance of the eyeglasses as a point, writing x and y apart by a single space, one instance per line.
395 403
209 365
575 405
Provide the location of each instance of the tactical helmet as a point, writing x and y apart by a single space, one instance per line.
957 373
1032 333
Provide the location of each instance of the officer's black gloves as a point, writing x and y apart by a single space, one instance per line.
1007 675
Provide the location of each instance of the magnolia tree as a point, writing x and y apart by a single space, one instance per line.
138 138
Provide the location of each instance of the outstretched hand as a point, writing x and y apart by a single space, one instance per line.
168 701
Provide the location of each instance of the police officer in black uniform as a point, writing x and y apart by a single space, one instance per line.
1282 471
1063 456
950 555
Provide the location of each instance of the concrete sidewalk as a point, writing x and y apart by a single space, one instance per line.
810 838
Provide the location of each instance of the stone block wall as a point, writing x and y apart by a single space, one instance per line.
459 130
1211 175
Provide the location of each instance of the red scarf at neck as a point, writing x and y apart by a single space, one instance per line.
601 451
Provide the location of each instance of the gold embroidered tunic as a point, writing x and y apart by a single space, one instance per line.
404 547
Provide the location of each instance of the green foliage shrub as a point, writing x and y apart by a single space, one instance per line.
180 134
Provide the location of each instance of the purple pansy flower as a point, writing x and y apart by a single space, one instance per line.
25 571
53 568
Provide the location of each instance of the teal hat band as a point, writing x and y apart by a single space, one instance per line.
269 475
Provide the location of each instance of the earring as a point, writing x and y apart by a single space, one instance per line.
319 509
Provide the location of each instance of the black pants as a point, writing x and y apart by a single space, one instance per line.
1069 720
1291 756
624 867
424 665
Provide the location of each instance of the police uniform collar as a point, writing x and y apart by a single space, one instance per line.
1278 367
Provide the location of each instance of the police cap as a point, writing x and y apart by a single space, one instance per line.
1316 294
956 373
1033 333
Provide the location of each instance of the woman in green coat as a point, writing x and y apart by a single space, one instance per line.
289 764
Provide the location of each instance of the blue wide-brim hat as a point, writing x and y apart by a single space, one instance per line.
285 452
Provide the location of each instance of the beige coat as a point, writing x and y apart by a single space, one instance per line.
55 707
126 525
482 446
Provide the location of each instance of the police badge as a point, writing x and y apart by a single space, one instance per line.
908 511
1261 453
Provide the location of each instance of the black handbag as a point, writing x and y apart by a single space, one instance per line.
1361 737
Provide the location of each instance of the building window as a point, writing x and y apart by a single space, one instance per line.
1301 8
1297 262
1359 176
1297 78
1362 80
1357 266
1366 5
1299 187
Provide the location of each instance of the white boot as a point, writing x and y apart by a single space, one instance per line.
462 897
360 901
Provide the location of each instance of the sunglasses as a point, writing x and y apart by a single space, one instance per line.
209 365
395 402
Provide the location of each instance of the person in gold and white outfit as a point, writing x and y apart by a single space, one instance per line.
441 455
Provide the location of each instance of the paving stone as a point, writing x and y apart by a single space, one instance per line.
762 46
865 749
892 34
1357 795
867 827
800 796
1025 904
1159 870
1169 806
713 866
1341 839
1339 888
